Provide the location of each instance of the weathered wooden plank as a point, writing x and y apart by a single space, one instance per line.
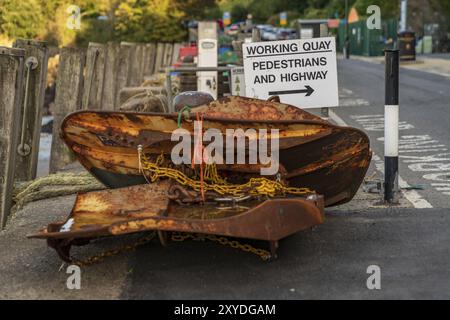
176 52
159 57
69 84
11 80
124 68
36 58
152 58
136 65
168 51
94 77
111 74
149 58
141 61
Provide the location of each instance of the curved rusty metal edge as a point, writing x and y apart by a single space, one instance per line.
270 220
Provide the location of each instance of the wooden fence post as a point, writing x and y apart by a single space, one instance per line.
168 50
152 58
11 77
124 68
33 91
149 58
176 52
69 84
134 68
94 77
111 75
159 57
141 61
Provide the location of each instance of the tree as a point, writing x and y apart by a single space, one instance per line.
196 9
239 12
151 20
21 19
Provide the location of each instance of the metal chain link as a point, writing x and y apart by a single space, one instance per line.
263 254
125 248
177 237
254 186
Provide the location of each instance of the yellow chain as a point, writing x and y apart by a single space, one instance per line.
263 254
213 182
101 256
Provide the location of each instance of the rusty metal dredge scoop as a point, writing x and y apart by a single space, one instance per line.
319 164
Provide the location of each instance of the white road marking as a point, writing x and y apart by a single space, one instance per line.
411 195
375 122
348 99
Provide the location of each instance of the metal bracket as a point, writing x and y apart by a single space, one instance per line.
32 62
23 148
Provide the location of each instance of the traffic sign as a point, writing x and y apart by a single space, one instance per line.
301 72
283 18
226 18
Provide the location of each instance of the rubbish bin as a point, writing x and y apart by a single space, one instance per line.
407 45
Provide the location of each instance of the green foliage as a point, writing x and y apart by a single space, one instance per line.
21 19
239 12
164 20
152 20
389 8
261 10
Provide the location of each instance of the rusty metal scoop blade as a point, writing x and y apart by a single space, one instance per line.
148 208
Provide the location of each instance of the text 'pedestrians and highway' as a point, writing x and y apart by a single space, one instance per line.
301 72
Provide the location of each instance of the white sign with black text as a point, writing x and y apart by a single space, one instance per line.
301 72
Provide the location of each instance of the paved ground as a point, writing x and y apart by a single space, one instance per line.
330 261
436 56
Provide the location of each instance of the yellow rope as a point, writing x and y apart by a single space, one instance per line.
254 187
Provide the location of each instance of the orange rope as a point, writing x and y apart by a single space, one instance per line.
199 152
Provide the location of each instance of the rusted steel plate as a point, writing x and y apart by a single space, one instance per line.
146 207
234 107
329 159
270 220
94 212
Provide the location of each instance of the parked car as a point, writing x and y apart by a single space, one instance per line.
268 33
232 30
286 34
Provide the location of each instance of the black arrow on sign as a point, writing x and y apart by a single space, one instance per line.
308 91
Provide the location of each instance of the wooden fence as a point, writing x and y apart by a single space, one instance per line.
86 79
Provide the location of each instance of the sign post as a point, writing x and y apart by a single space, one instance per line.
391 125
302 73
207 57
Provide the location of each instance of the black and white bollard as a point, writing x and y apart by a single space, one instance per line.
391 125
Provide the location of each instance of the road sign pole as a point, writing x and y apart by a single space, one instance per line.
391 114
325 112
347 39
256 35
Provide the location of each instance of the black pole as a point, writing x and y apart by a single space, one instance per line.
391 115
347 40
423 34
